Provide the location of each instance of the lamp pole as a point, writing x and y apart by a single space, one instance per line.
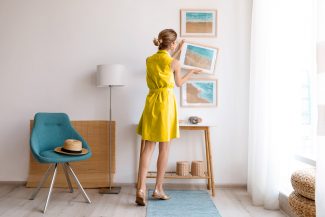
110 76
110 139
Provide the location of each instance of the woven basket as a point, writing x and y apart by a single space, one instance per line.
303 182
197 168
301 206
182 168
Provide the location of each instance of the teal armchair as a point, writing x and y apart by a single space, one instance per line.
50 131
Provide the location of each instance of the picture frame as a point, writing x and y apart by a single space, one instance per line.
198 56
199 92
198 22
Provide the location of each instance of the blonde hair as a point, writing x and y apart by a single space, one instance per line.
165 38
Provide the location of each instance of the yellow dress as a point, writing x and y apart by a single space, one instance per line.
159 120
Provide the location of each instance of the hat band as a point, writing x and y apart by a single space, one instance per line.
69 151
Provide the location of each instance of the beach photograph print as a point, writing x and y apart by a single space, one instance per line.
194 56
198 23
199 93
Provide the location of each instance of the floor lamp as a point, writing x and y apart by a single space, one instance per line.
110 76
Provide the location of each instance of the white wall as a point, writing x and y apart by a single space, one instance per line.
48 56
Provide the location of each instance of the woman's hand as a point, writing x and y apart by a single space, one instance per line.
181 43
196 71
179 79
178 49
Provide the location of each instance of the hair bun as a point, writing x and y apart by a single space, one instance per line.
165 39
156 41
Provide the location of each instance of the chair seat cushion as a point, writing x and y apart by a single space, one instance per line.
303 182
301 206
50 156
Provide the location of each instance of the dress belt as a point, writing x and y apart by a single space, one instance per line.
160 89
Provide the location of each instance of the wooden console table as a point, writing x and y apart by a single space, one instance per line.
209 163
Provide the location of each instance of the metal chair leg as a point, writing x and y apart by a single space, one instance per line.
40 184
51 187
67 177
78 183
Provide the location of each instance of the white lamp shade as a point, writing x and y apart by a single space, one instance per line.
321 57
111 75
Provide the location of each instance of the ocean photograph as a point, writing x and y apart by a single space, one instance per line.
200 92
199 22
199 57
206 90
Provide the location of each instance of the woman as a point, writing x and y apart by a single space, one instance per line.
159 121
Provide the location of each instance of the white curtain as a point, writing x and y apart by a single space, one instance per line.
320 166
279 40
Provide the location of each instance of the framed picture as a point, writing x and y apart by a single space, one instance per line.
198 23
200 92
196 56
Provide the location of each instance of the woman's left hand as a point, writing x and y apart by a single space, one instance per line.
181 43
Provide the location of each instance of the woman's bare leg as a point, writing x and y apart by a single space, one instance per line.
145 157
161 165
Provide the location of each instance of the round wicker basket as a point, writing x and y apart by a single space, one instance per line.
197 168
301 206
303 182
182 168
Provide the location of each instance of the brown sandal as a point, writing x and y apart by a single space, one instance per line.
160 196
140 198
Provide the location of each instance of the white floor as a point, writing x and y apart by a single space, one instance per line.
14 202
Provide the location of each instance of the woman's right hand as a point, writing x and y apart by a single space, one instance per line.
196 71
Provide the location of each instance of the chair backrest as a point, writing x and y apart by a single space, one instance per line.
50 131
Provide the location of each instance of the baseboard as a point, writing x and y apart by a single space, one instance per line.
13 182
189 185
242 186
151 185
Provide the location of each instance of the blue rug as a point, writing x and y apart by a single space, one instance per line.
182 204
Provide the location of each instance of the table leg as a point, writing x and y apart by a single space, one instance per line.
141 150
211 164
207 158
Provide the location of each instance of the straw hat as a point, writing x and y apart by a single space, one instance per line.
71 147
